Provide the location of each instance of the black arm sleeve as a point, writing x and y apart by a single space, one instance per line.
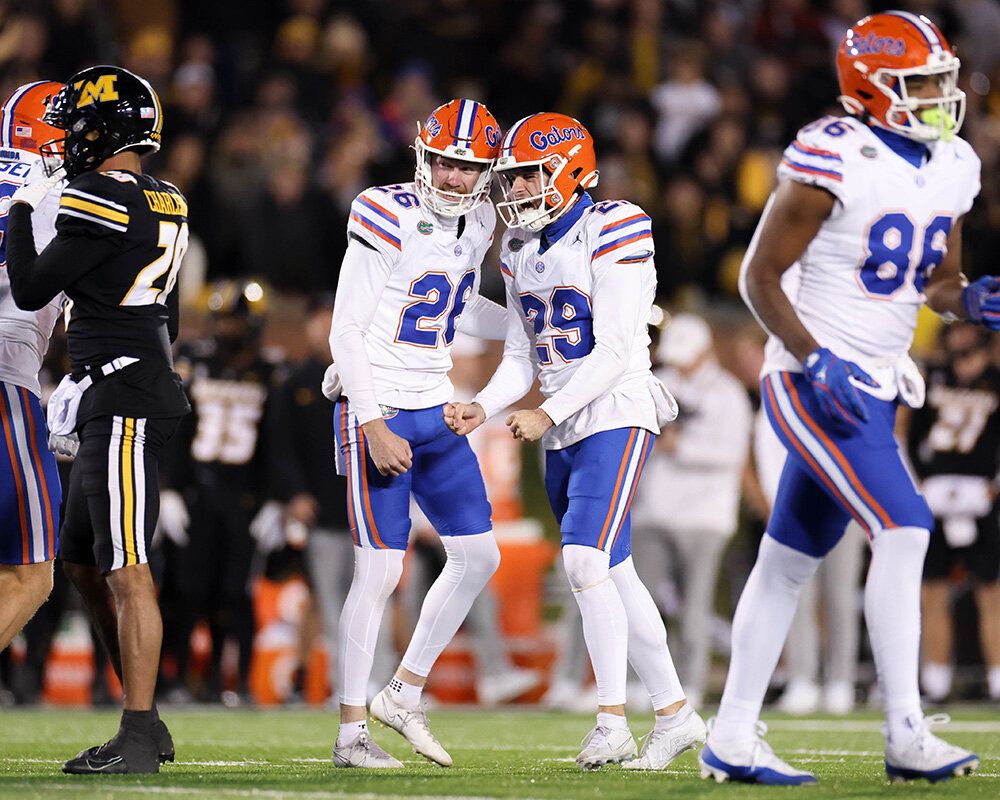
35 278
173 314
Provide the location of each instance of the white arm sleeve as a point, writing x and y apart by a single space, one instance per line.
617 305
516 372
363 276
484 319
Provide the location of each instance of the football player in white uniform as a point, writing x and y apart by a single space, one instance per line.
409 280
869 208
580 287
30 491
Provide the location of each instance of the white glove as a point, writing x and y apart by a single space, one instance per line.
174 519
64 445
268 527
38 187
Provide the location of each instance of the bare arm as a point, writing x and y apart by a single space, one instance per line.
791 221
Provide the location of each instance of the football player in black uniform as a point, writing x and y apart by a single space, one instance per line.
120 239
216 463
955 449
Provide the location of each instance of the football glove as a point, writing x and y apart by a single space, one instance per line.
174 518
38 187
839 399
981 299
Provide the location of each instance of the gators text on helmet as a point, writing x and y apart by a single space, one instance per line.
103 111
563 152
461 130
877 57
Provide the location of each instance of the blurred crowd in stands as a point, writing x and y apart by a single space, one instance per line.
278 112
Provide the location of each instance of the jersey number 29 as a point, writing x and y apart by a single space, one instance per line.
148 288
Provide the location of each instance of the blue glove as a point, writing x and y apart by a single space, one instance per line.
981 299
830 378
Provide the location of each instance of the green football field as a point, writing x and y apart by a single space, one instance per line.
521 754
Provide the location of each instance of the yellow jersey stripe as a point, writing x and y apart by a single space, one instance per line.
93 208
128 493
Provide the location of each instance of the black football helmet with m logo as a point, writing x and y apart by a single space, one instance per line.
103 110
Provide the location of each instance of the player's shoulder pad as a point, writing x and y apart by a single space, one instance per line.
97 203
382 216
619 231
511 243
964 152
820 151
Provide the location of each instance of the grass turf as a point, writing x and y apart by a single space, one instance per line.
521 754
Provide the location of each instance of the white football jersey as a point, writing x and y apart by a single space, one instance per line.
571 297
24 335
859 284
433 276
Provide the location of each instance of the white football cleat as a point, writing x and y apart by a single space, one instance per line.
566 695
661 747
605 745
838 698
924 755
412 725
749 761
363 752
492 690
800 697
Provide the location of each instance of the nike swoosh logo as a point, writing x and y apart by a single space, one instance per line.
105 765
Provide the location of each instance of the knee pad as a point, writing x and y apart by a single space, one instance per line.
585 566
473 558
378 571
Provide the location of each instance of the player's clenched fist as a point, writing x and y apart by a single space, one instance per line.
464 418
390 453
528 426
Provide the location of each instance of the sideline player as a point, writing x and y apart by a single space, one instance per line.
409 280
869 206
120 239
30 491
580 286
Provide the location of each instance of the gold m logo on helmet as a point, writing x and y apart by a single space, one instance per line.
100 90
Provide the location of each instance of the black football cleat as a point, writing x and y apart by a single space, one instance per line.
160 733
130 752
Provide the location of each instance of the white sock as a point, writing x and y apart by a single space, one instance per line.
663 722
613 721
892 613
349 731
405 694
647 638
605 625
472 560
993 679
936 680
763 617
376 573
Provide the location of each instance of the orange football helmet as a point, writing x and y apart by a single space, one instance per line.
563 151
462 130
877 56
21 126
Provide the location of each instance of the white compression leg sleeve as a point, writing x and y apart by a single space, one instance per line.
763 616
892 613
647 638
376 574
472 560
605 624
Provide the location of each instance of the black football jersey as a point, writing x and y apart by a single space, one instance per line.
126 305
223 442
957 432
